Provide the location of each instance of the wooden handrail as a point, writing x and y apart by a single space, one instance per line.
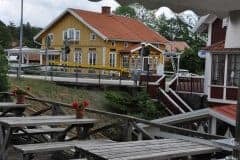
162 127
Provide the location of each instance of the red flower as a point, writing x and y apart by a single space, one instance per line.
75 105
85 103
14 93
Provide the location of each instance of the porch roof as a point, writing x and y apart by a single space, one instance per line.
30 51
133 48
220 47
227 110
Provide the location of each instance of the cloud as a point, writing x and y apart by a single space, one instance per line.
42 12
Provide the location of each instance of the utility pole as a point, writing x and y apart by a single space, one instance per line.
47 45
20 56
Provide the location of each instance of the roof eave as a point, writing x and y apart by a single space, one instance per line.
76 16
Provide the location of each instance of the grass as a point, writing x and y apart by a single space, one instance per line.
49 90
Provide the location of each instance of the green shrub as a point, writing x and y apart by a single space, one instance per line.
139 105
3 71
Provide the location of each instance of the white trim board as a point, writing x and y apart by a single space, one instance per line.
76 16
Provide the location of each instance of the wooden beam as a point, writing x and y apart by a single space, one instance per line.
104 128
141 130
162 127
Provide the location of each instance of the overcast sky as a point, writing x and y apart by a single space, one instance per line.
41 12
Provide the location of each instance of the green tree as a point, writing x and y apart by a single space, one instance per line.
5 36
3 71
125 11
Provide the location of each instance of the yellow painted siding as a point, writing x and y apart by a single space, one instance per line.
69 21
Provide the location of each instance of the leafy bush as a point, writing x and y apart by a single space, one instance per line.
3 71
139 105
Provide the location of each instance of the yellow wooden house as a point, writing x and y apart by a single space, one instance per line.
102 40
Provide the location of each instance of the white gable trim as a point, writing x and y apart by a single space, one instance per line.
76 16
87 24
146 44
50 24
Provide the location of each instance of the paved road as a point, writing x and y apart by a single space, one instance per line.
78 80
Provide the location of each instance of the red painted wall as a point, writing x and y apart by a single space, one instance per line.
218 33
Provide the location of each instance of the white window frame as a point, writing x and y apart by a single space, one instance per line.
69 34
91 54
51 36
78 55
93 36
113 43
113 56
64 57
123 58
77 38
65 37
125 44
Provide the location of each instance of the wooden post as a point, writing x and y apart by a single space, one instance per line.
236 151
127 131
120 78
99 79
212 127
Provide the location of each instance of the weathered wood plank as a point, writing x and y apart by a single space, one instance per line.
41 131
43 120
163 127
11 105
55 146
150 149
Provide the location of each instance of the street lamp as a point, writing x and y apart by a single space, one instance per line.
20 57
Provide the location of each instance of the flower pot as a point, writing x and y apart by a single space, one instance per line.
80 113
20 99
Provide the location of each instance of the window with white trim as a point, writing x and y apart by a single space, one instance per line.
113 59
218 67
50 35
65 35
125 44
113 43
125 61
64 57
78 55
93 36
71 34
233 69
77 35
92 56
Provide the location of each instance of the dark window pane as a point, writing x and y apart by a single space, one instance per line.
218 66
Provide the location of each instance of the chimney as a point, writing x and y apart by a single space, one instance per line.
106 10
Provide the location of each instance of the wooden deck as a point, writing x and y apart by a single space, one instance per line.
147 150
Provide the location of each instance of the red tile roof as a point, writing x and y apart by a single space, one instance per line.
129 48
227 110
177 46
220 46
119 27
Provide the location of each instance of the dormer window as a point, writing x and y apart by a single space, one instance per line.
93 36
